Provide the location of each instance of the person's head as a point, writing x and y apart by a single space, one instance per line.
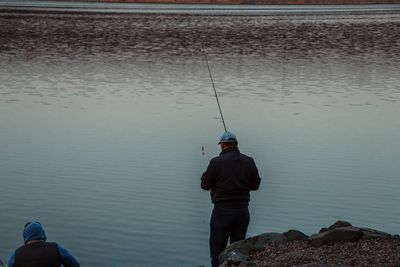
33 231
227 140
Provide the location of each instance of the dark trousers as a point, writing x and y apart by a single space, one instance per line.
226 223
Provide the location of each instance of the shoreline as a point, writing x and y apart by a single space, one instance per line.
340 244
273 3
243 2
118 7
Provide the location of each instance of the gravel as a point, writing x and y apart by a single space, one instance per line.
374 252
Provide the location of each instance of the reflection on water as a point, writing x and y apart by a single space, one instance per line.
103 118
59 52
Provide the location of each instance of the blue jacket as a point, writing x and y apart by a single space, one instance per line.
34 231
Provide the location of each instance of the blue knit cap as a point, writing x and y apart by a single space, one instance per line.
34 231
227 137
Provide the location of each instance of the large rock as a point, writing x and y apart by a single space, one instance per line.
337 224
293 235
234 257
240 251
369 233
341 234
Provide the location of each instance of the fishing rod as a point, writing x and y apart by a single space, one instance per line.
2 263
215 91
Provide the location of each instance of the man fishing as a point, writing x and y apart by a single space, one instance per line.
36 252
230 177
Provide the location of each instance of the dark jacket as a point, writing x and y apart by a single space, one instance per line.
41 253
230 177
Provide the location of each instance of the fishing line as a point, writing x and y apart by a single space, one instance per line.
212 82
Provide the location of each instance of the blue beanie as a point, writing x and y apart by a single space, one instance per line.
34 231
227 137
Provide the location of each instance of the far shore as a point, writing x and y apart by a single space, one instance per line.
231 7
247 2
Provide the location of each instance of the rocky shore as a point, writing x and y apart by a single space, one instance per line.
340 244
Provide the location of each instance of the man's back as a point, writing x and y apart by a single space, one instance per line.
230 177
38 254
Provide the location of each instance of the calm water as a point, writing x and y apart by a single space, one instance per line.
102 120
